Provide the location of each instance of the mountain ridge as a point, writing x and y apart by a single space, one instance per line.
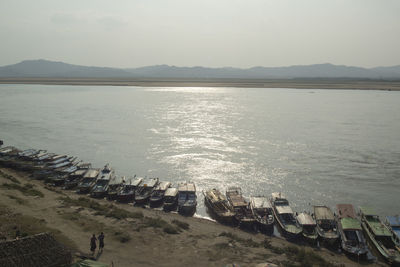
47 69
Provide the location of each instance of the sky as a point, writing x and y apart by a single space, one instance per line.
210 33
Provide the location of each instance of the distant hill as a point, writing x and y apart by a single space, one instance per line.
49 69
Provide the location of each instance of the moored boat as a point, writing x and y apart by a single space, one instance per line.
100 189
74 178
218 206
115 186
309 227
88 181
144 191
127 193
187 199
284 216
263 213
351 236
157 196
170 199
379 235
393 222
326 225
243 215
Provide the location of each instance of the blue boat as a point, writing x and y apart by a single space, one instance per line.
394 225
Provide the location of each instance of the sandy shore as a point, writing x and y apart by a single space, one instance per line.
356 84
144 238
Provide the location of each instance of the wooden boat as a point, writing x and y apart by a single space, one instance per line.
100 189
379 235
243 215
115 186
127 194
263 213
284 216
157 196
352 239
8 155
393 222
170 199
145 190
218 206
74 178
326 225
88 181
187 199
309 226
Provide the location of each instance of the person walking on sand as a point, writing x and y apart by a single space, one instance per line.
101 241
93 244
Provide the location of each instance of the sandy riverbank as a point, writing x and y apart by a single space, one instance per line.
142 237
356 84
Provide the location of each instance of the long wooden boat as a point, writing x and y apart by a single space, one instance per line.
351 236
171 199
284 216
100 189
263 213
127 194
187 198
88 181
218 206
379 235
74 178
143 192
326 225
115 186
157 196
243 215
309 226
393 222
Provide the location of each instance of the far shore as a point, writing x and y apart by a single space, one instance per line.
320 83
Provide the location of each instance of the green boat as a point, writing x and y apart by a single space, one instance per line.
379 235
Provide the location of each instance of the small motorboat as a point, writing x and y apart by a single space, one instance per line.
100 189
88 181
127 193
309 226
243 214
187 199
170 199
326 225
157 196
144 191
115 186
218 206
263 213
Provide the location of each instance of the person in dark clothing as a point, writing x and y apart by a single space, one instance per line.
101 241
93 244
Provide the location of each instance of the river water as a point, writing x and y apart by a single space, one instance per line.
315 146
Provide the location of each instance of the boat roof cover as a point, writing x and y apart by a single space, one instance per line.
215 195
278 195
92 173
284 209
305 219
80 172
323 213
171 192
163 186
117 180
350 223
393 220
150 182
260 202
368 211
189 187
346 211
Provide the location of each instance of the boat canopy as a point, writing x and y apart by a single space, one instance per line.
187 187
368 211
260 203
284 209
277 196
79 172
350 224
393 221
323 213
92 173
214 195
117 180
346 211
305 219
163 186
150 182
171 192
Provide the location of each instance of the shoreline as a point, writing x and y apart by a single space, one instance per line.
338 84
145 237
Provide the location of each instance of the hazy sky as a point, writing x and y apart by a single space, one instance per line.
211 33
